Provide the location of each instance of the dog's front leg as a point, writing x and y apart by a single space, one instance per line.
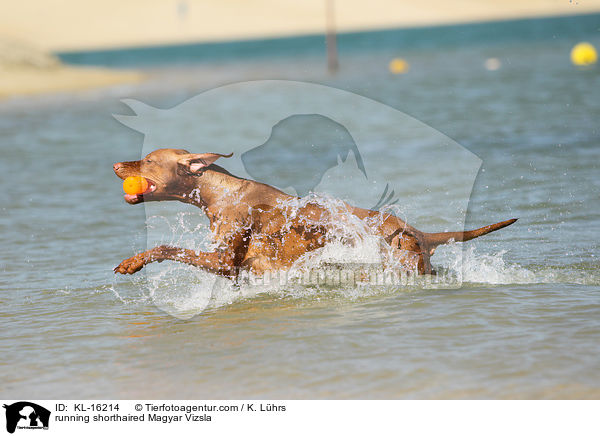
215 262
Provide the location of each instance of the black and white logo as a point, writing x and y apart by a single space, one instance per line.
26 415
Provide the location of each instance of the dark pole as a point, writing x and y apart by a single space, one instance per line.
330 40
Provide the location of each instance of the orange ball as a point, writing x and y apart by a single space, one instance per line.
135 185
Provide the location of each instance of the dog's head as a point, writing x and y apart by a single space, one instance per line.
171 173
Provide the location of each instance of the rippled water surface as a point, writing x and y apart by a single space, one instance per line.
524 324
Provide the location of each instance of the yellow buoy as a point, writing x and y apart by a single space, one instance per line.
398 66
584 53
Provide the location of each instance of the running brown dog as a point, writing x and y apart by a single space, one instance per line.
248 219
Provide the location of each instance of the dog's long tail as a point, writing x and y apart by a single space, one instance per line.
435 239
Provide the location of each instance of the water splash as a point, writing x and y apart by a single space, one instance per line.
351 265
476 267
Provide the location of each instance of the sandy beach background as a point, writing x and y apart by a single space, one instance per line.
25 69
62 25
68 25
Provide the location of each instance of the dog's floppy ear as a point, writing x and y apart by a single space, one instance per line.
194 163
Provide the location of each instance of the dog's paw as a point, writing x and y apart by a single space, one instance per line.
131 265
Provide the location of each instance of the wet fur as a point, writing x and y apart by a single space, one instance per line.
248 219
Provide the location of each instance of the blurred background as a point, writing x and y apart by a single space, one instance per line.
516 83
36 36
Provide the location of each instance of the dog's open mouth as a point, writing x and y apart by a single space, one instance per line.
138 198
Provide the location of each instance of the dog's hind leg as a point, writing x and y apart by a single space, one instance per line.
216 262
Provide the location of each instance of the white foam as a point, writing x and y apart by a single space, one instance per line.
473 267
184 291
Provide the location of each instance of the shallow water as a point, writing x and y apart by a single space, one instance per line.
524 324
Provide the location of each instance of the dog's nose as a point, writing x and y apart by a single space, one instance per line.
117 166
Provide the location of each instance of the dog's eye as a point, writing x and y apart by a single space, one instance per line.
147 161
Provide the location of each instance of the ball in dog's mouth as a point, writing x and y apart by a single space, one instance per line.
138 198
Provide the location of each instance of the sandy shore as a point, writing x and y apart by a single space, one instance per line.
65 25
26 69
28 81
68 25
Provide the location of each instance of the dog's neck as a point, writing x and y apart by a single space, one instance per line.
213 186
